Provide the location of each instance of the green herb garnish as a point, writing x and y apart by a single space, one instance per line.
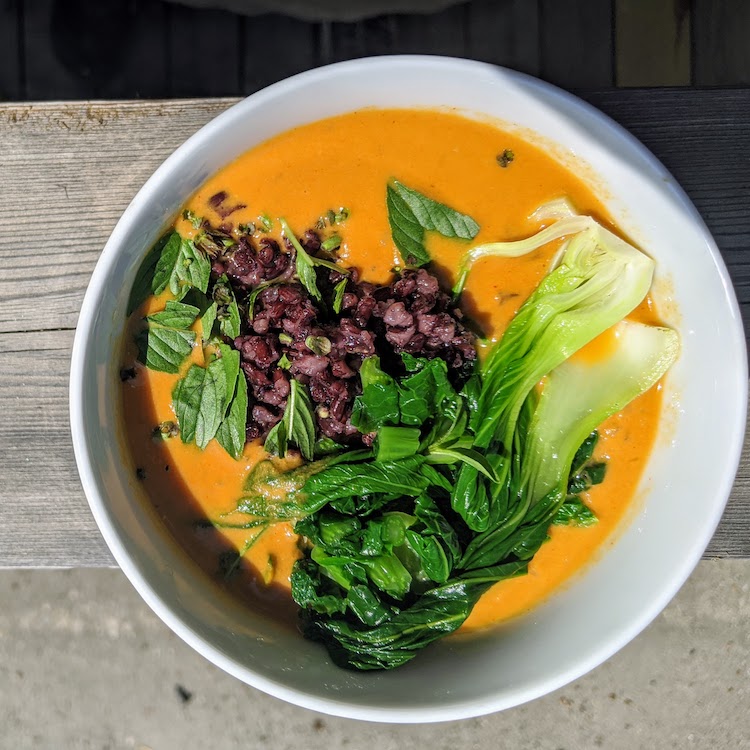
297 426
505 158
167 339
410 213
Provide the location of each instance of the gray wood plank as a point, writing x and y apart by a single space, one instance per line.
504 32
11 19
84 162
577 42
652 43
703 137
721 50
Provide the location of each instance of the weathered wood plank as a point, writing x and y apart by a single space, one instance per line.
84 162
504 32
10 49
652 42
721 30
577 43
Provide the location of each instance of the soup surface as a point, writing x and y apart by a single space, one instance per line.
347 161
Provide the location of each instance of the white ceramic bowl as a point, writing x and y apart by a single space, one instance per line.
684 490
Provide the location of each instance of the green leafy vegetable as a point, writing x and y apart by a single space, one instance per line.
167 340
305 264
297 426
410 213
202 399
338 295
207 321
145 283
573 512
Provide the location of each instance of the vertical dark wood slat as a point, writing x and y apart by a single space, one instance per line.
204 52
505 32
11 85
576 42
76 50
144 72
442 33
365 38
47 77
721 42
275 47
652 42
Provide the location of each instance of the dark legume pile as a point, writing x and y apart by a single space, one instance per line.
287 334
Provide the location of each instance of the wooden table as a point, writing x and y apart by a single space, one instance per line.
67 172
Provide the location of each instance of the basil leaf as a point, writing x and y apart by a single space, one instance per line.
230 325
191 268
305 268
407 232
166 263
167 342
297 426
338 295
207 321
186 399
144 285
437 216
218 385
231 433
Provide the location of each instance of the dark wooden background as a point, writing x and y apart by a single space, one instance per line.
78 49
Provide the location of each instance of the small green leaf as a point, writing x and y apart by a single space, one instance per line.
297 426
437 216
166 263
166 342
207 321
191 269
231 434
407 232
338 295
186 399
144 285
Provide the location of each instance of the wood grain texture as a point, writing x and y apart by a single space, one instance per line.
576 40
84 162
721 42
652 43
204 52
275 47
504 32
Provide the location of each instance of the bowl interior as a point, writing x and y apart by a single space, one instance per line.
683 492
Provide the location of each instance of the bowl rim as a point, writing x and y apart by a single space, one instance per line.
458 710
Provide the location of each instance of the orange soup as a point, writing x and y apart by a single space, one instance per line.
493 176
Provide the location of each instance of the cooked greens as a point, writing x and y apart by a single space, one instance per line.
463 483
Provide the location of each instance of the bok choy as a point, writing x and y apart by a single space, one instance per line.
463 481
